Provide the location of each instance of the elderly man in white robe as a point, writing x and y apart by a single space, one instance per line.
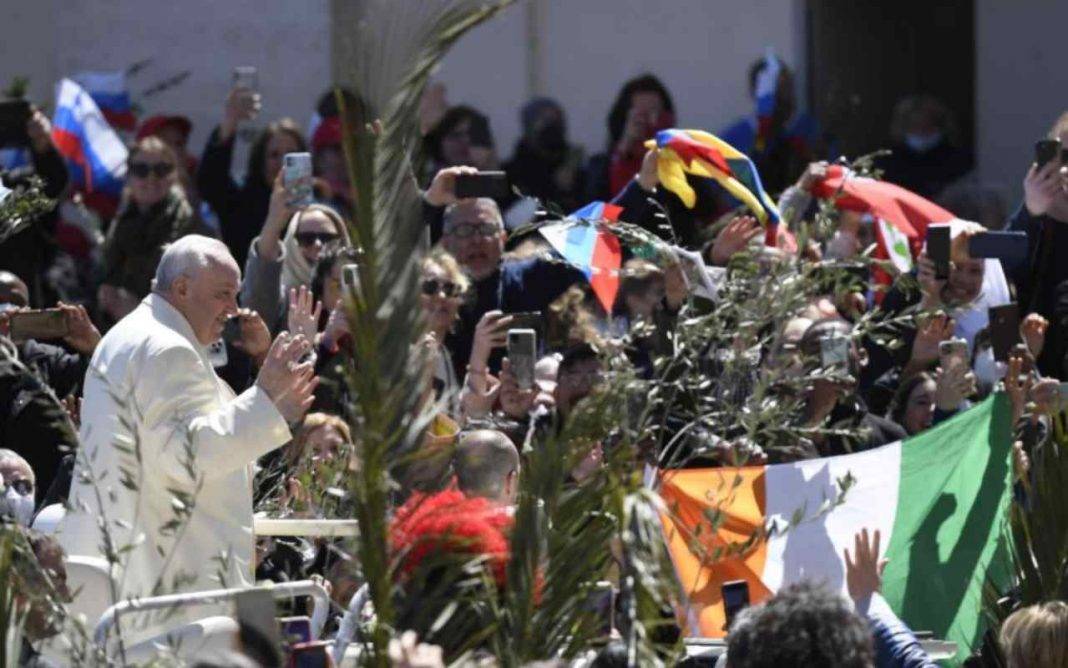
167 448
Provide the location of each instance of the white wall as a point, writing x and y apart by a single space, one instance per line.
700 49
1022 84
288 41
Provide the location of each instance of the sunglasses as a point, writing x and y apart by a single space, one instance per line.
309 238
466 230
23 487
142 169
431 287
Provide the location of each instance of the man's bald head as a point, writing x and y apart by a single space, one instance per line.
487 465
13 290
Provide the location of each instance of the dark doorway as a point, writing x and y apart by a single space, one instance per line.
865 56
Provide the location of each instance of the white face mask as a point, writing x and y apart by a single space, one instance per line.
17 506
923 143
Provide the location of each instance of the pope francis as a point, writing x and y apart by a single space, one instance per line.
163 481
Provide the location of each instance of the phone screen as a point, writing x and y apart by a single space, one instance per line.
46 324
295 629
521 353
834 351
310 655
246 76
938 249
735 599
953 354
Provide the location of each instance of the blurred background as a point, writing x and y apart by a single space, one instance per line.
993 64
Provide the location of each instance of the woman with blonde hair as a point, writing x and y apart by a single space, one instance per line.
442 286
1036 636
153 213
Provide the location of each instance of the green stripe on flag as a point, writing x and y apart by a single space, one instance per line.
955 490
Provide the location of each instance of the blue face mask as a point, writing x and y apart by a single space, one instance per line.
923 143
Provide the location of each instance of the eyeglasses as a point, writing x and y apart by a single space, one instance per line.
142 169
23 487
431 287
309 238
465 230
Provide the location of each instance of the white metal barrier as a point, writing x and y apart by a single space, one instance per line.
283 590
268 526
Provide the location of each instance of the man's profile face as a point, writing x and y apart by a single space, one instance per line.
470 239
208 298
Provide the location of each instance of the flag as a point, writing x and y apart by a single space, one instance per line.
699 153
95 156
591 248
767 84
112 95
599 211
940 501
901 216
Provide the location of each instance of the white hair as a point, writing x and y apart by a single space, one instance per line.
10 456
187 256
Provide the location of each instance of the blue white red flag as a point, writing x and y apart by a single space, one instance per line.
95 156
767 83
112 95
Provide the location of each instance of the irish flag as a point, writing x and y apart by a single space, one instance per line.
940 500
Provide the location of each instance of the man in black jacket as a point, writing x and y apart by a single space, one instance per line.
34 376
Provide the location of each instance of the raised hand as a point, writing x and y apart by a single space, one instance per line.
1017 385
442 190
734 238
289 382
304 312
255 337
930 287
864 569
649 175
82 333
1041 186
490 332
952 386
241 104
934 331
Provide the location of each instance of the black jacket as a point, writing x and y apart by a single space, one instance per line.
33 423
1037 283
241 209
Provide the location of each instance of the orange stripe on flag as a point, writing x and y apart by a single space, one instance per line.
710 548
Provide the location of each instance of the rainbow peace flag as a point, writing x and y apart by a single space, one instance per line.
682 152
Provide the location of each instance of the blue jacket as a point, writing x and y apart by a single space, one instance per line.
895 645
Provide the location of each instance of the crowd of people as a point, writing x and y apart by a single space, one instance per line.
197 356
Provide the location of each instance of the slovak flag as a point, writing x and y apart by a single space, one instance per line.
95 156
111 94
767 83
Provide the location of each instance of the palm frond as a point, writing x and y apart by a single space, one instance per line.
388 50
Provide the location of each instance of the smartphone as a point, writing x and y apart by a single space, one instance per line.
1008 247
527 320
1004 330
309 655
1046 150
483 184
295 630
521 354
350 276
14 115
232 330
953 354
47 324
735 599
246 76
834 351
297 178
938 249
1062 394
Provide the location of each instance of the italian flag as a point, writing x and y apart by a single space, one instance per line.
940 500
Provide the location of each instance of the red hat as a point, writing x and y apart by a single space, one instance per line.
327 134
153 124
